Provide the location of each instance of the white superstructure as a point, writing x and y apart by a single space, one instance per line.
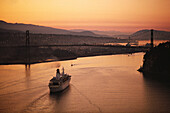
60 82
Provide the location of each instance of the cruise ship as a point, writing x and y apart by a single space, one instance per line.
60 82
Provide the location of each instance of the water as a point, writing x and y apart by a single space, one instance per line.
156 42
101 84
140 43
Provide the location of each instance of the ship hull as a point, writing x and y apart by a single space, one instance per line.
61 87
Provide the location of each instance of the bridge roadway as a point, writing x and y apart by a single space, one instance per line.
118 46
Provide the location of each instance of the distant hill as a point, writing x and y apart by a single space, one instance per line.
139 35
122 36
110 33
146 34
10 31
41 29
17 38
105 33
85 33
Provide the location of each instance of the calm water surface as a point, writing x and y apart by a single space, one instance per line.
155 42
102 84
140 42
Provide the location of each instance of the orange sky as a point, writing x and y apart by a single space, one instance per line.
120 15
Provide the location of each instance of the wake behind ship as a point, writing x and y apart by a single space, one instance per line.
60 82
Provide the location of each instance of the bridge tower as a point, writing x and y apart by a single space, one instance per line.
151 38
27 50
27 38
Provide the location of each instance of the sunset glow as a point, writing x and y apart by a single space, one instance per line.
119 15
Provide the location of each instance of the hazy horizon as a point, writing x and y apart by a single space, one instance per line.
80 30
103 15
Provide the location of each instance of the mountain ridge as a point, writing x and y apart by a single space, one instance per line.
41 29
110 33
143 34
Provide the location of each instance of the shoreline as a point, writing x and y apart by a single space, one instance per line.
156 62
65 59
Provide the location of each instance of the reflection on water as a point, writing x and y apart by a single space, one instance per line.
27 69
157 91
99 84
56 97
140 43
156 42
59 100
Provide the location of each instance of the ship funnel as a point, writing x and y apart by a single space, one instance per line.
58 71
